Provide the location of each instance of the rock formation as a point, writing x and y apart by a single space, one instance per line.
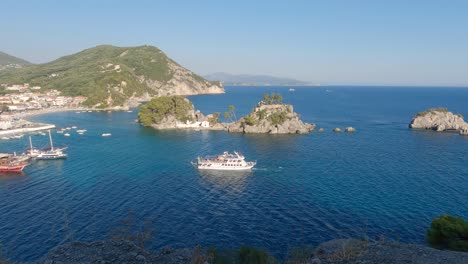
338 251
439 119
271 119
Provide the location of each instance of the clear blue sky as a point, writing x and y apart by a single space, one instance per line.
386 42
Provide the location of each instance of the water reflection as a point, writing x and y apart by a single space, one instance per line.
8 176
231 181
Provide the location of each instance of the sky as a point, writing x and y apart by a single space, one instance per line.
347 42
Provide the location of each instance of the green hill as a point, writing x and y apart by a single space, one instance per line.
6 59
110 76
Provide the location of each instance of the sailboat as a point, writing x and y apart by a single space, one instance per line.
48 154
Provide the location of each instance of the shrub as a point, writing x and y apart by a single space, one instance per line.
448 232
243 255
277 118
262 114
436 109
249 120
215 118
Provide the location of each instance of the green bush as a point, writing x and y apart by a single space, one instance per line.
448 232
249 120
277 118
437 109
243 255
261 114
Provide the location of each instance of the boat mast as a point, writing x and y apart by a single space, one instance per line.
51 144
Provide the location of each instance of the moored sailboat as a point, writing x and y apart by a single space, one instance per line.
48 154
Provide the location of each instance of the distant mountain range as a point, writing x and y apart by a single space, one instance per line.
256 80
111 76
6 59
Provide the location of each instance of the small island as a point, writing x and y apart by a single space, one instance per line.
439 119
270 116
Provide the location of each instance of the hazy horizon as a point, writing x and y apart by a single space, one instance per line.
417 43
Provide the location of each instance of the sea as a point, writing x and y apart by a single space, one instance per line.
383 181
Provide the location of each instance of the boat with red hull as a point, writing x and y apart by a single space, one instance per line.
12 163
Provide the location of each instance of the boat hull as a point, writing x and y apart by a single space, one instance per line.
225 169
50 157
17 168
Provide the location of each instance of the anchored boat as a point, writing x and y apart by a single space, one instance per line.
48 154
225 161
12 163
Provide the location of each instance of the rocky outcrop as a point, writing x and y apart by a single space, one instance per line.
464 131
271 119
353 251
342 251
183 82
439 119
110 251
337 129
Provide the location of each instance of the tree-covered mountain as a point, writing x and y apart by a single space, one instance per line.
259 80
110 76
6 59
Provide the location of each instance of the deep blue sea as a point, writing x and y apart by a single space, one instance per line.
385 179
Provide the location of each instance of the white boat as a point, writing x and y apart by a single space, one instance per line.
225 161
74 127
68 128
66 134
106 134
48 154
81 130
291 90
5 138
42 133
60 131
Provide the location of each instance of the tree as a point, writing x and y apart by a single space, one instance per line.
159 108
230 114
448 232
215 118
272 98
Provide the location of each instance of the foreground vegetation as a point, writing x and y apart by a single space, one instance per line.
448 232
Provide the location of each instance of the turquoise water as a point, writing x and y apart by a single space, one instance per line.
383 180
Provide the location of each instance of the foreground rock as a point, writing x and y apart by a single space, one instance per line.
271 119
352 251
110 251
439 119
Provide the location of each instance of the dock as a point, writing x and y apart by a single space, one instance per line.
27 128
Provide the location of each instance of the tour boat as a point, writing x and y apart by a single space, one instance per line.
106 134
48 154
225 161
11 163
